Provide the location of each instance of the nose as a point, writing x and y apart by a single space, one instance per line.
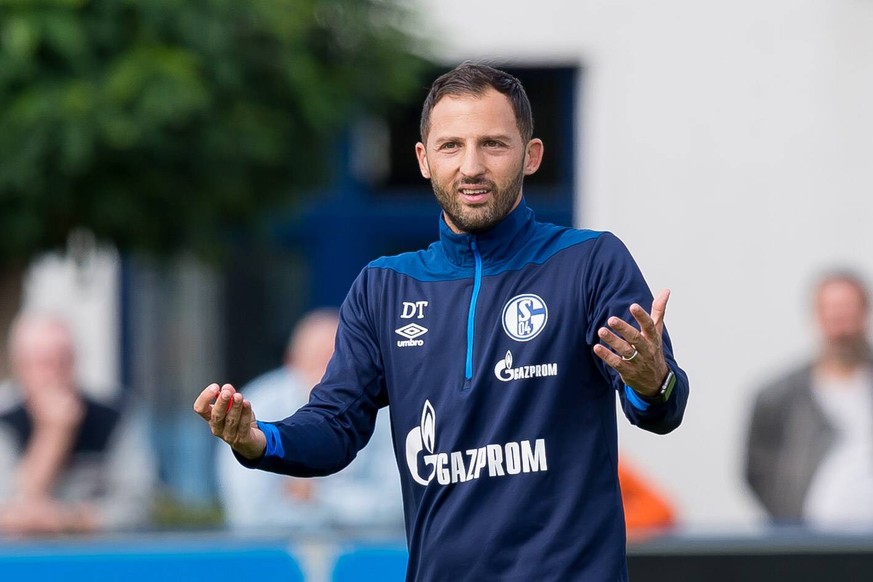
472 165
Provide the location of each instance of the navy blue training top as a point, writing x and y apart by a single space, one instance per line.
503 419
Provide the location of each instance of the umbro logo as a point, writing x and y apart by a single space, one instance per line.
411 332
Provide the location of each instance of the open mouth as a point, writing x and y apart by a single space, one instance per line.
474 195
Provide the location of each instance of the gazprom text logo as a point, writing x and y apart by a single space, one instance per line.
506 373
524 317
492 460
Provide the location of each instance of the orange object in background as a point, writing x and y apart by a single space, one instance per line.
646 510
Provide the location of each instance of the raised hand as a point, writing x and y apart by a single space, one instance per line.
231 418
637 354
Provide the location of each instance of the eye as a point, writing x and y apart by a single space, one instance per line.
492 143
449 145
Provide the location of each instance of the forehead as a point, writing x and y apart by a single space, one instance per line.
39 338
840 292
470 115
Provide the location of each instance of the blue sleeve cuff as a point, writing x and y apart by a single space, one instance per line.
632 397
274 442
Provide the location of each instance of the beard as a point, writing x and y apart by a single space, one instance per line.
480 218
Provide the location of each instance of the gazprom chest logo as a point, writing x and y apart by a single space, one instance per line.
494 460
506 373
524 317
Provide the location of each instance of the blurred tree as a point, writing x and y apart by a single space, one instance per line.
162 125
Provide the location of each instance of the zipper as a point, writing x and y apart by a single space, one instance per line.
471 314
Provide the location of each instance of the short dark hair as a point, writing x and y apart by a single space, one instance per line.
471 78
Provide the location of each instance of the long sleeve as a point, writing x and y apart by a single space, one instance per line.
326 434
613 282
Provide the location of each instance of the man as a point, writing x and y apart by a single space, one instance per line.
67 462
810 441
500 349
363 496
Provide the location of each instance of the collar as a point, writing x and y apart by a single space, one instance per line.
497 244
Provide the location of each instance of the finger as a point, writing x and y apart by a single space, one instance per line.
203 402
246 419
227 391
231 421
618 345
221 409
623 329
612 359
647 325
659 308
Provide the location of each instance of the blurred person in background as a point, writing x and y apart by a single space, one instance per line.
363 497
809 453
68 463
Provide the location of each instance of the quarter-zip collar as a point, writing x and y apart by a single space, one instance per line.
495 245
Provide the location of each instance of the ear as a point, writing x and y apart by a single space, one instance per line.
421 154
533 156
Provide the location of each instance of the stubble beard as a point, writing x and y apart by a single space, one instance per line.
478 219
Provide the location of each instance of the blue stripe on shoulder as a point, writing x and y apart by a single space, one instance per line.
431 265
547 241
428 265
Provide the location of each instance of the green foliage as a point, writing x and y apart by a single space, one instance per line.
165 124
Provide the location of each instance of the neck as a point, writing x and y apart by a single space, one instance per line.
841 363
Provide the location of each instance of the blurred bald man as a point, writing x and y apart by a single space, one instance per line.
67 462
364 496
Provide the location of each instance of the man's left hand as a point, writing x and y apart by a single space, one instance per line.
637 354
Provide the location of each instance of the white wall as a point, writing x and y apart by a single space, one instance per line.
730 145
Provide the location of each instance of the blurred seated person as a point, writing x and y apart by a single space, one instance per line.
364 497
646 510
809 454
68 463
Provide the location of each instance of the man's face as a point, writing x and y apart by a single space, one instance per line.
476 159
842 318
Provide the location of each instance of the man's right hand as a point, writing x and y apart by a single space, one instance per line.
231 419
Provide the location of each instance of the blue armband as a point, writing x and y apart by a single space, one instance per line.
274 442
641 403
634 398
